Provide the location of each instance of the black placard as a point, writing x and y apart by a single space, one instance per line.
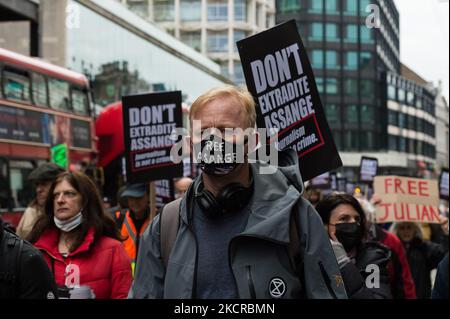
164 192
443 184
148 122
280 78
367 169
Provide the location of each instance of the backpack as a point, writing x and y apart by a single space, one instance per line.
11 247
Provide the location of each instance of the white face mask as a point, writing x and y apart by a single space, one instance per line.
69 224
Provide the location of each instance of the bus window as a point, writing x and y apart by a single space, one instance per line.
16 85
80 102
39 89
21 190
59 94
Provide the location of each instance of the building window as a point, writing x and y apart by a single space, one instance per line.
240 10
331 86
238 73
317 59
331 6
237 36
190 10
224 68
351 87
164 10
331 32
331 60
411 146
351 114
332 113
316 31
393 142
363 5
140 8
419 102
410 98
366 140
401 95
366 88
365 61
316 6
392 92
351 7
288 5
392 117
402 144
366 34
367 114
192 39
420 125
218 41
319 83
217 10
351 33
351 140
351 60
401 120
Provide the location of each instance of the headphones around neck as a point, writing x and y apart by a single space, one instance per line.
230 199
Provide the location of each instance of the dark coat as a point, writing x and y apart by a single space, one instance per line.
440 289
361 279
23 271
423 256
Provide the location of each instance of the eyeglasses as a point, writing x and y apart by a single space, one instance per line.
65 194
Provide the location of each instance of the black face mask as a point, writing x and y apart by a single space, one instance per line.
213 156
349 235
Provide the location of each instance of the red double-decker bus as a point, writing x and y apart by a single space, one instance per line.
45 115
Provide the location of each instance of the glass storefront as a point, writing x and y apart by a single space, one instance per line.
114 56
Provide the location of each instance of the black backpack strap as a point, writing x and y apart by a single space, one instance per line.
169 224
119 219
11 247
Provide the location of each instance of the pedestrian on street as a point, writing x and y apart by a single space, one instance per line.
80 243
237 233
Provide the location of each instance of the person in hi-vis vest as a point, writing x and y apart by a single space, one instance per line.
134 221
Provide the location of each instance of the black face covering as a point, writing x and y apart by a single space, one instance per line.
349 235
216 156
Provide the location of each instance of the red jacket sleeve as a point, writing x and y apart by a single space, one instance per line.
396 246
121 274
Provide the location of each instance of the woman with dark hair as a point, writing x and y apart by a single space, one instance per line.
81 244
363 264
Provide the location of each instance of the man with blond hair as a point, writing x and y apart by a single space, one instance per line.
240 233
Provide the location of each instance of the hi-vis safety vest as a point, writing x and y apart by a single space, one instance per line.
128 231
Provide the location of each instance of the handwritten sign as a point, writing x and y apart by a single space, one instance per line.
407 199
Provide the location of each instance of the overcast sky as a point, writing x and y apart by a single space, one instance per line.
424 43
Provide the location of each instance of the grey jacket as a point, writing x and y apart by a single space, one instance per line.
258 255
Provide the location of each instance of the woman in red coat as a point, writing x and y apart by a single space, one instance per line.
79 241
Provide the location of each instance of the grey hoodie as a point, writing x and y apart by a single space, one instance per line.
257 256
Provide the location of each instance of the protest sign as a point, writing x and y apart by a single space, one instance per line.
148 123
321 182
443 184
280 78
342 184
164 192
406 199
367 169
